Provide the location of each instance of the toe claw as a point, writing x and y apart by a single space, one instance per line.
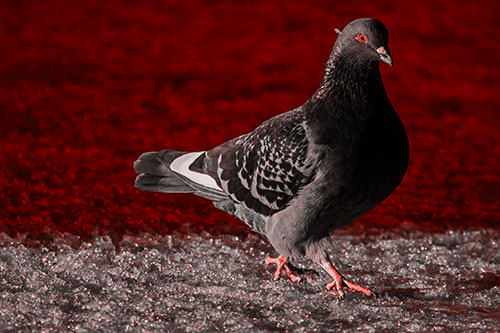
294 278
339 281
356 287
281 263
333 285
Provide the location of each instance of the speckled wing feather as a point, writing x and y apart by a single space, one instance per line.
265 169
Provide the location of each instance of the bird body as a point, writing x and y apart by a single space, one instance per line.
306 172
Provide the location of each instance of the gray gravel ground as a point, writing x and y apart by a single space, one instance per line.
194 282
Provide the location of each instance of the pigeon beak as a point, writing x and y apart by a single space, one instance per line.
385 55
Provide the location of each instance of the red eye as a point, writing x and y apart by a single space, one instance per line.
361 38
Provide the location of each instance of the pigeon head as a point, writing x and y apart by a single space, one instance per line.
364 40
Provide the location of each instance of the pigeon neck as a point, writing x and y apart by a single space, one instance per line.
344 101
350 69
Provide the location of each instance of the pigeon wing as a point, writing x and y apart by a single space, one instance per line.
265 169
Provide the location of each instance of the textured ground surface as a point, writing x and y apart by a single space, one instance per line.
87 86
424 282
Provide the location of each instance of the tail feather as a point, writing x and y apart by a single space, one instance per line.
161 184
155 174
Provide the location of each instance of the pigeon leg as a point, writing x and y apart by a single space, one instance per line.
339 281
281 262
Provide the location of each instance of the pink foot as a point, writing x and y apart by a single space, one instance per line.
339 281
281 262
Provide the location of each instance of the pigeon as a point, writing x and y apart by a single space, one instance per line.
304 173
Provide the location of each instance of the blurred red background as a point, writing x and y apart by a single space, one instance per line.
88 86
